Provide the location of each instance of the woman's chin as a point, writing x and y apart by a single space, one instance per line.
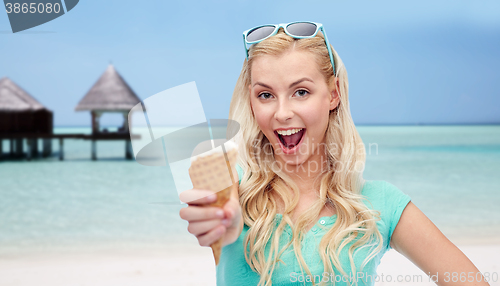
295 159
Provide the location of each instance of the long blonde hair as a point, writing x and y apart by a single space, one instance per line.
340 185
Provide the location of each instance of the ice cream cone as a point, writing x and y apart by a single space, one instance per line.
211 172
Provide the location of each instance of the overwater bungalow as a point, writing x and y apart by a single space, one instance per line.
109 94
23 117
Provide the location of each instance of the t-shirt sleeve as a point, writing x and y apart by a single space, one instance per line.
395 202
390 201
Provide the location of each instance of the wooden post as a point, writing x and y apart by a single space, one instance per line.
94 151
92 113
47 147
11 147
125 126
19 147
34 145
95 121
128 149
61 149
29 147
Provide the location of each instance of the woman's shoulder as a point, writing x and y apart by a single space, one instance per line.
384 196
390 201
373 188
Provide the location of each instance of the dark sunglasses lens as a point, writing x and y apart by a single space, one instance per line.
301 29
259 33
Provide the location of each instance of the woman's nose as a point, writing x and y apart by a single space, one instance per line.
284 111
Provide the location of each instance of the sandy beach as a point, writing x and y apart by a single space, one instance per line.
186 265
183 265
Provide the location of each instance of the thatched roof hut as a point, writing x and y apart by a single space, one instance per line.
109 94
20 112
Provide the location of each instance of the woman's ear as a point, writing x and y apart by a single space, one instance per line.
334 94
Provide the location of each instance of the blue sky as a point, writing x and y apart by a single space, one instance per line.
427 62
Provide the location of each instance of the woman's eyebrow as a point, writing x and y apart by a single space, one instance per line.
264 85
292 85
300 80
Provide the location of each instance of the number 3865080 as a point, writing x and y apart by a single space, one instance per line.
32 8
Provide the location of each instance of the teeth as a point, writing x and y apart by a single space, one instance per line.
288 132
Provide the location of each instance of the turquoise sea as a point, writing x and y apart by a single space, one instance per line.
450 172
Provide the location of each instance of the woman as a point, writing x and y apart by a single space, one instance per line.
304 214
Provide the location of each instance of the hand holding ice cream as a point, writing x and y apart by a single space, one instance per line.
214 212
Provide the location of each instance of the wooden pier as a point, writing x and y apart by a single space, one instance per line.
17 146
24 119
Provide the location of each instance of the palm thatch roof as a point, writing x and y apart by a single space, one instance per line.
109 93
14 98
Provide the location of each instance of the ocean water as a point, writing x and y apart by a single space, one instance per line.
450 172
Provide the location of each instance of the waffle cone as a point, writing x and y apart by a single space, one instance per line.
212 173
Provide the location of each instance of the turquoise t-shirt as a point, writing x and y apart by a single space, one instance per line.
383 196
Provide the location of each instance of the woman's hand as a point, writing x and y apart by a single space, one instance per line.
208 223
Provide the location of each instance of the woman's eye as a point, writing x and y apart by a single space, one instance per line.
265 95
301 92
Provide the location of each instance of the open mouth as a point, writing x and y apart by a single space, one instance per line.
290 139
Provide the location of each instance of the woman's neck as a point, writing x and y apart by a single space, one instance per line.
307 178
308 181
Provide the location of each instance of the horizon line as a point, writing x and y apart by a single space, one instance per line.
360 124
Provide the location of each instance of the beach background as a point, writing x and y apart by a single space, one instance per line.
423 95
115 222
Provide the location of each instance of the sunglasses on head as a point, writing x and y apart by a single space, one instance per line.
298 30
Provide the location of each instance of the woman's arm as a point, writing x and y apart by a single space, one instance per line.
419 240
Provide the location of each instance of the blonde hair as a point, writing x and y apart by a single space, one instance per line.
340 185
